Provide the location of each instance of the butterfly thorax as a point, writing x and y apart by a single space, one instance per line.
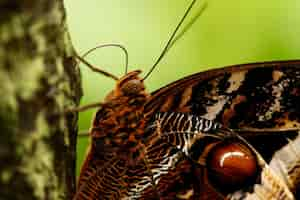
120 122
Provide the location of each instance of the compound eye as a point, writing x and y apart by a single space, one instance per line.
132 87
231 166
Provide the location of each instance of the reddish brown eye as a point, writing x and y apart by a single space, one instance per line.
132 87
231 166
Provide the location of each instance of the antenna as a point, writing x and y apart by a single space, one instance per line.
169 43
186 28
81 59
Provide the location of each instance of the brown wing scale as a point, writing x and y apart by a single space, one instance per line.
260 96
126 160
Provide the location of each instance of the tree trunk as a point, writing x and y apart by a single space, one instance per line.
38 80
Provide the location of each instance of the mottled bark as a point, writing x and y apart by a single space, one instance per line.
38 80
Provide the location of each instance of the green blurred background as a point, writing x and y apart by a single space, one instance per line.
228 32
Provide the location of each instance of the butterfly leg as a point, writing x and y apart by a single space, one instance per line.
55 90
95 69
84 133
83 108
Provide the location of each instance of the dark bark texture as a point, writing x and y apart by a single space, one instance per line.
38 80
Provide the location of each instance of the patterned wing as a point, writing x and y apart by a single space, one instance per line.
286 165
260 99
262 95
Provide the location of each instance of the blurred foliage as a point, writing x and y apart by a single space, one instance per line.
227 32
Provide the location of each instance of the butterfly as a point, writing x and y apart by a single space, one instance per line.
254 97
169 144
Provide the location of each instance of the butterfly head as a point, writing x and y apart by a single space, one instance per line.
131 84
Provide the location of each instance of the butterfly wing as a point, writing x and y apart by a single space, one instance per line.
261 97
255 96
280 179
